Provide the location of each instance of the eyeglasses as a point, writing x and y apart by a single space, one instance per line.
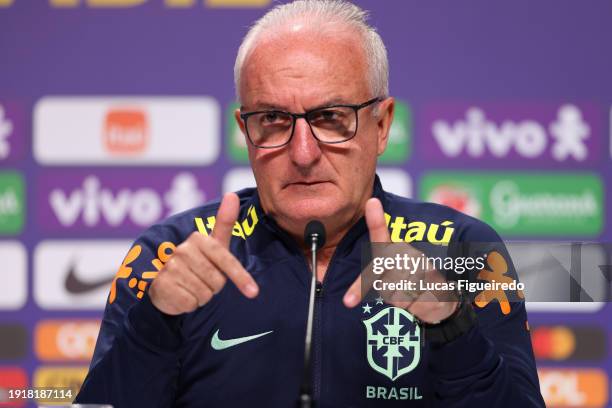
329 124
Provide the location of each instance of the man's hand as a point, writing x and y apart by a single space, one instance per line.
425 305
201 265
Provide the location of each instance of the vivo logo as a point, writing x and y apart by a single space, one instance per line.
561 134
92 203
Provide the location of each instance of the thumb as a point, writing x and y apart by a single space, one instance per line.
227 214
375 219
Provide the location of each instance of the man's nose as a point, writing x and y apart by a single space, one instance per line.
304 149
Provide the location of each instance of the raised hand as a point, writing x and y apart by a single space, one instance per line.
201 265
425 305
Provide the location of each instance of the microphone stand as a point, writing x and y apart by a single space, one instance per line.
306 400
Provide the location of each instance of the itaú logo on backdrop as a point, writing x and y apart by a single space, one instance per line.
478 135
134 3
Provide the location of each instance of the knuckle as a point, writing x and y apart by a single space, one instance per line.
172 264
211 248
207 240
187 301
216 281
200 264
177 258
205 296
183 248
161 281
195 235
213 244
200 241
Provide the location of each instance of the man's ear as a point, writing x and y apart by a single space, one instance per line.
386 109
239 121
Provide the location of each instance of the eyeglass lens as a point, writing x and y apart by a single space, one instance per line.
329 125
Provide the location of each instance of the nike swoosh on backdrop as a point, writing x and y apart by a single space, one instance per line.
76 286
219 344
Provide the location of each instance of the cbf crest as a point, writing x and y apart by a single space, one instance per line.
393 342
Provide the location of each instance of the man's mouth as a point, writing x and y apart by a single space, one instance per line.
304 183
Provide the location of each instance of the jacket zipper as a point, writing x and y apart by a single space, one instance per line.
317 343
317 324
317 337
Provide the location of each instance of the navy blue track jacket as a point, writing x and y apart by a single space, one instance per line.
240 352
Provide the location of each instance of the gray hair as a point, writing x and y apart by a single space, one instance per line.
324 13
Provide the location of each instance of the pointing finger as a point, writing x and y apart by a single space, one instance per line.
226 218
352 297
361 286
375 219
232 268
225 262
377 226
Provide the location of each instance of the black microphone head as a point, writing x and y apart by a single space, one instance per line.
315 228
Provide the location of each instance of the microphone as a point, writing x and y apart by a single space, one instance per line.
314 235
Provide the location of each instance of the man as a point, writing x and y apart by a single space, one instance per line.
223 321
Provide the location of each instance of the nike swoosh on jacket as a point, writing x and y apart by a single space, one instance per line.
219 344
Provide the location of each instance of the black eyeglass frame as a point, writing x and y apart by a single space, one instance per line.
295 116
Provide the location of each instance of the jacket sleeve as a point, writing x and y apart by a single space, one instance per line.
136 359
493 364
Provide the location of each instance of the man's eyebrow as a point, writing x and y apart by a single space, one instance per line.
331 102
260 106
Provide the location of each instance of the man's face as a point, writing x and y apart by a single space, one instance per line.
296 72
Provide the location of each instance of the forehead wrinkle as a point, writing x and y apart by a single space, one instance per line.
297 95
277 77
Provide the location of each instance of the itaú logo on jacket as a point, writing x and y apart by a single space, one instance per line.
563 137
437 234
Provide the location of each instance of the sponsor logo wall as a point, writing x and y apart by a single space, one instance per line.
523 204
111 199
516 133
120 142
131 131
